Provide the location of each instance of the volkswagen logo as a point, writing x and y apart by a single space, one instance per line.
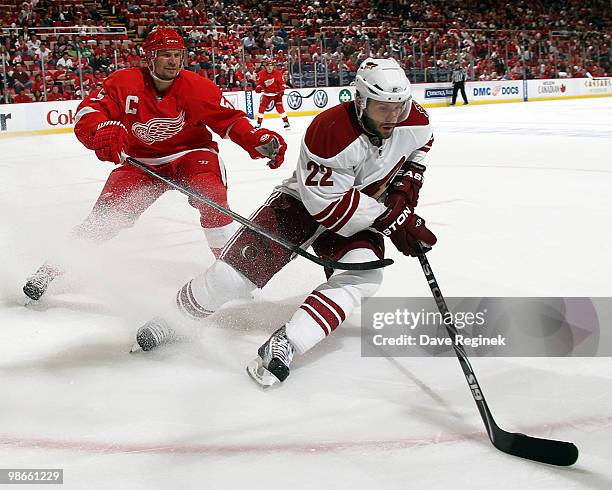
320 98
294 100
270 105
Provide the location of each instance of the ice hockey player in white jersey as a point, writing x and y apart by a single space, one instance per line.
357 180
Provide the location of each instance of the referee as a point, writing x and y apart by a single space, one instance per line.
459 76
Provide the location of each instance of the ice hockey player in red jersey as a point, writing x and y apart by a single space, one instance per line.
271 84
160 115
357 180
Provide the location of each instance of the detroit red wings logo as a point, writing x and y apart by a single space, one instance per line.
159 129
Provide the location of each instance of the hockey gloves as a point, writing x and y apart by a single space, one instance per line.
270 145
109 141
403 226
259 143
409 181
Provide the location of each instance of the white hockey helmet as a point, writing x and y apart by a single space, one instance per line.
383 80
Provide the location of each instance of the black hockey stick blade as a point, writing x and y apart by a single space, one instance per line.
549 451
296 249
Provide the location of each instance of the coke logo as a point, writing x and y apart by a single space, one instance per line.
57 118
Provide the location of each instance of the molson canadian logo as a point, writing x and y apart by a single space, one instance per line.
551 87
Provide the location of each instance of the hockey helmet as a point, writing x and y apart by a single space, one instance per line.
267 63
383 80
162 38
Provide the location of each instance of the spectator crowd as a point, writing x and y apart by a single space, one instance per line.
59 51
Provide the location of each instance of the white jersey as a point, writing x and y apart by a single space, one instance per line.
342 177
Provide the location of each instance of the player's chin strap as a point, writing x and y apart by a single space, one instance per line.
161 80
373 137
296 249
151 66
363 118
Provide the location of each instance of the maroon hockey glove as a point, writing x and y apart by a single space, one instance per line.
403 226
109 141
258 89
259 143
409 181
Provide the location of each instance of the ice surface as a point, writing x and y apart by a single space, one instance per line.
520 198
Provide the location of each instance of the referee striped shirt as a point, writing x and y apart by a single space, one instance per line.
459 75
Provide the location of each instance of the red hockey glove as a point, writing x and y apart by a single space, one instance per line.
258 89
409 181
259 143
268 144
109 141
403 226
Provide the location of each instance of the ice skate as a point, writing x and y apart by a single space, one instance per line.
38 283
273 361
286 125
257 125
152 334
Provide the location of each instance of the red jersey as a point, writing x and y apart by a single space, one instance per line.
51 97
21 99
161 128
271 83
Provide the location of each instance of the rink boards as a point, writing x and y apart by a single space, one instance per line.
54 117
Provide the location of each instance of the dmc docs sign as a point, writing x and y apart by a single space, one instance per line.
502 90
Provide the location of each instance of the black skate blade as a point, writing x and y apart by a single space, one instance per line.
33 304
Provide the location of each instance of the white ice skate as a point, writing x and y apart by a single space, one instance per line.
273 361
37 284
153 334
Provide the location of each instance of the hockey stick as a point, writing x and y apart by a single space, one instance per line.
296 249
548 451
310 94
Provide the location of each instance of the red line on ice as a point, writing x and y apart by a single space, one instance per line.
295 447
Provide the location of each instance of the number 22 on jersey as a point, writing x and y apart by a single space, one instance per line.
315 170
